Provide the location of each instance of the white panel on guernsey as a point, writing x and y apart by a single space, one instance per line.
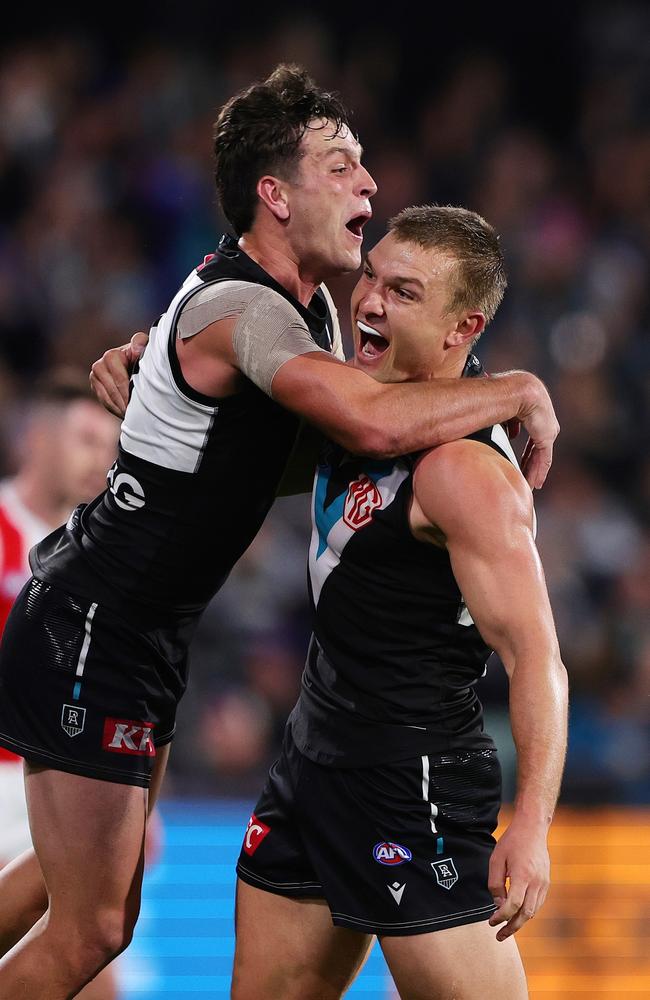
325 552
162 425
502 441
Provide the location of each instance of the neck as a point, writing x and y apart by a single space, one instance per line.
277 259
452 365
39 499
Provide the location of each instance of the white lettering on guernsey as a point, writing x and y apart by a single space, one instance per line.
126 490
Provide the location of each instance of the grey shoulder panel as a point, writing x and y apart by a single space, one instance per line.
268 333
214 302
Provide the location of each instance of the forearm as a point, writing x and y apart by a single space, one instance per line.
421 415
538 715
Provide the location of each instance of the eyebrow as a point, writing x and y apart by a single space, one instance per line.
396 279
343 150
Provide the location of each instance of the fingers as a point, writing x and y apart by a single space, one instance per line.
536 462
497 880
109 380
135 349
521 905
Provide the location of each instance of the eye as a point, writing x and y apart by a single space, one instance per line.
403 294
367 270
339 170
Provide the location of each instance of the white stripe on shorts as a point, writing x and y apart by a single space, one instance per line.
425 793
86 643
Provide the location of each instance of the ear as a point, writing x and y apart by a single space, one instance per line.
465 330
272 192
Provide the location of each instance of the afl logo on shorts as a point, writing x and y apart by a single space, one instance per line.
256 831
363 498
126 490
388 853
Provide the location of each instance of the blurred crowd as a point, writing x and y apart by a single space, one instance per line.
107 201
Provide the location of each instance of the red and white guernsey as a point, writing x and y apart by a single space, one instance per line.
19 531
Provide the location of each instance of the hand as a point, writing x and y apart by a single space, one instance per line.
521 856
538 417
109 377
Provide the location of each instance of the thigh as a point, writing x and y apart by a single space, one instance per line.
460 963
289 948
88 836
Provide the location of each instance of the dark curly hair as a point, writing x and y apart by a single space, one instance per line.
259 130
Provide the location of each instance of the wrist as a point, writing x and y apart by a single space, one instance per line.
527 388
532 812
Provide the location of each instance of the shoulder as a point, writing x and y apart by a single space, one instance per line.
467 480
235 296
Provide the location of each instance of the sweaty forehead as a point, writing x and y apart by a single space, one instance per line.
401 258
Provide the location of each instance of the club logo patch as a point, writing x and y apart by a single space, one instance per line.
127 736
388 853
363 498
73 719
445 871
256 831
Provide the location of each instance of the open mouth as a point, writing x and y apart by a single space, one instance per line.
355 225
371 344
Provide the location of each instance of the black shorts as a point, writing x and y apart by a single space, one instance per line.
399 849
82 690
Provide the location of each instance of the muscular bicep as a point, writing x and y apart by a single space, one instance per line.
484 508
502 583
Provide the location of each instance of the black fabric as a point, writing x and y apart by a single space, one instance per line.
394 657
172 558
123 684
319 832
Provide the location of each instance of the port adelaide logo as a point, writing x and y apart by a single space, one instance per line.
445 872
388 853
73 719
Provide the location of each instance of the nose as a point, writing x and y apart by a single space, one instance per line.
367 185
370 304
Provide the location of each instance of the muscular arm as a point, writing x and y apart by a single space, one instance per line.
483 508
368 417
364 416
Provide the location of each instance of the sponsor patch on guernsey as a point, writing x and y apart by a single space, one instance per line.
389 853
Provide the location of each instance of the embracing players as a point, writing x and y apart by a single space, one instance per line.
94 658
